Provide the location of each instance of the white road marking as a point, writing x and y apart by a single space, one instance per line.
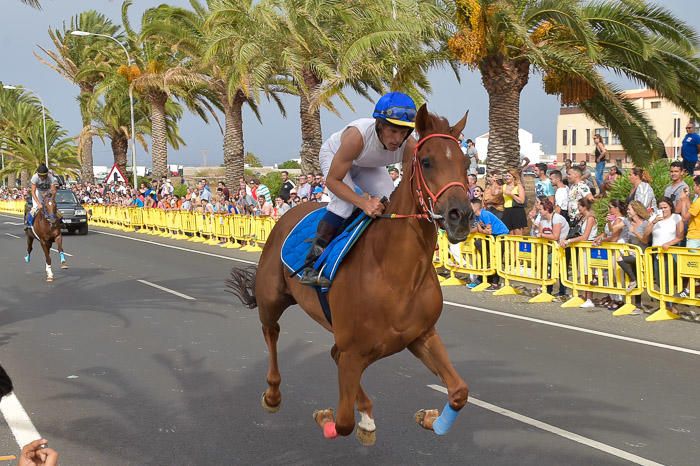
56 250
14 223
167 290
556 430
219 256
14 236
578 329
17 419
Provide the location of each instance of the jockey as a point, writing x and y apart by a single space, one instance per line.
358 155
42 182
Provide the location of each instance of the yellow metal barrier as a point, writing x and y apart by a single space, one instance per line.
248 229
596 269
475 256
12 207
189 225
668 273
529 260
231 243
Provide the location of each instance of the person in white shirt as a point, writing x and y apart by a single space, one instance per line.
561 194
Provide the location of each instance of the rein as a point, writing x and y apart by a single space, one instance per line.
417 172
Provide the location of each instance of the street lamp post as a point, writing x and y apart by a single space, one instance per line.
43 119
131 99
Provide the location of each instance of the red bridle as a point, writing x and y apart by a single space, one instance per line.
420 180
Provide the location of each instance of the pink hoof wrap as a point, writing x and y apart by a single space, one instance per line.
329 430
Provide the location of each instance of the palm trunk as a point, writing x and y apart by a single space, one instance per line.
85 149
12 180
120 143
233 139
159 151
311 137
24 178
504 80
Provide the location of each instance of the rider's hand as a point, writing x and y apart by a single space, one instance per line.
373 207
33 455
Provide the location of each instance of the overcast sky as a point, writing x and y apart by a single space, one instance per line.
276 139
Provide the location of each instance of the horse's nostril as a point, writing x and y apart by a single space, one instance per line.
454 214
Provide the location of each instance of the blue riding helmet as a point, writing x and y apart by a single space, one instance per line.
396 108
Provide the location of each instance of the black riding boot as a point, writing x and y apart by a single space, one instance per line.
324 235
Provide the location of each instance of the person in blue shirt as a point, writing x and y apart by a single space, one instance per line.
690 149
543 185
487 223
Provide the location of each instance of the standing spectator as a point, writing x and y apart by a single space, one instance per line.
264 191
395 177
673 191
690 149
254 189
242 185
577 190
514 203
204 191
319 195
561 194
304 189
264 208
587 229
471 184
473 156
601 156
553 226
478 193
636 233
543 186
587 177
692 216
280 208
287 186
641 189
493 195
224 190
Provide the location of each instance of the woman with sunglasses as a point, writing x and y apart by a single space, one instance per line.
357 156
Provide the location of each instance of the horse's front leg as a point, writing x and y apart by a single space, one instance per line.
30 245
47 253
350 368
61 254
430 349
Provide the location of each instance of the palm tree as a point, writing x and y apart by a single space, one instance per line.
327 46
84 63
32 3
571 42
159 75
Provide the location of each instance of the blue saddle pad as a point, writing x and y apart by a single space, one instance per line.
298 242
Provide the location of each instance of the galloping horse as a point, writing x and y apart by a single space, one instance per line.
386 296
47 229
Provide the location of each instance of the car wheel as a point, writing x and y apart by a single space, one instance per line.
83 230
71 230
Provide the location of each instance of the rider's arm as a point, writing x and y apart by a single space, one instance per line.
351 145
35 197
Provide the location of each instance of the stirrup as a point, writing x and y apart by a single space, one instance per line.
313 277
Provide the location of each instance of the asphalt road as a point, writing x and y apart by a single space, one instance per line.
114 371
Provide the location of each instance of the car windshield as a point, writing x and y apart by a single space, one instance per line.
65 197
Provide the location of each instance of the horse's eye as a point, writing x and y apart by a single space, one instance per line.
425 162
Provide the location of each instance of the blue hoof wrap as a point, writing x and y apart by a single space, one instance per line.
63 257
26 258
443 424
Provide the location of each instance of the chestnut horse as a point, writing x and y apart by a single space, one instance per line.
47 229
386 296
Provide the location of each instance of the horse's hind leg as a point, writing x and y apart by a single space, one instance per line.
47 254
366 429
30 245
61 254
430 349
272 397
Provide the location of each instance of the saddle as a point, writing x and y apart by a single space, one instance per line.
298 242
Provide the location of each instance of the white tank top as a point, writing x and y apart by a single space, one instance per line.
373 153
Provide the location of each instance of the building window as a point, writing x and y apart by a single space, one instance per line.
573 157
564 138
615 140
588 137
676 127
573 137
656 104
604 134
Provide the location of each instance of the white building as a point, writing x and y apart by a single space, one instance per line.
528 148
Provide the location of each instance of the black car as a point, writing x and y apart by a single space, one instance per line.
74 214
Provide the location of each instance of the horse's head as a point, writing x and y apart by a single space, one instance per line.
50 210
440 175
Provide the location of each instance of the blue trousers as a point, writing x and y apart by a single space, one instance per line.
599 168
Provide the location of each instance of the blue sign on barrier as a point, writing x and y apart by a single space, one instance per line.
525 247
600 254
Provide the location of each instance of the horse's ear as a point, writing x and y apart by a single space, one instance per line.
458 127
422 120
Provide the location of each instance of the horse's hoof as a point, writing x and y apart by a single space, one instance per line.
64 265
26 258
365 437
426 417
49 279
325 419
267 407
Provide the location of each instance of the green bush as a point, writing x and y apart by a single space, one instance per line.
293 164
180 190
273 181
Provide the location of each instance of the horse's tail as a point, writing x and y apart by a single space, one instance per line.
242 285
